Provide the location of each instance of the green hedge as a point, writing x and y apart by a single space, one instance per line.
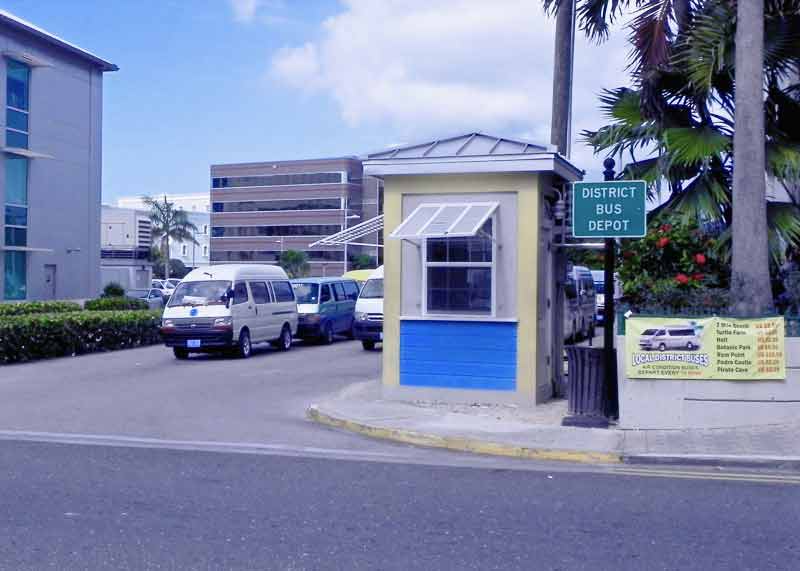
40 336
33 307
114 304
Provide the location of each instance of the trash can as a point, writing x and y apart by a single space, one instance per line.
587 393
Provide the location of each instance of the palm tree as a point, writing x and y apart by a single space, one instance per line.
751 294
295 263
168 223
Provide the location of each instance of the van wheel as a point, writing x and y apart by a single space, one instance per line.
285 340
368 345
662 347
327 334
245 346
180 353
690 346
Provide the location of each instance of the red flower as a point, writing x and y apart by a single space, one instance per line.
698 277
627 254
682 279
699 259
665 227
662 242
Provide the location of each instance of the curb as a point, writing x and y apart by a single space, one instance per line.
461 444
755 462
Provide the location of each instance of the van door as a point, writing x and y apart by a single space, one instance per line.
327 306
263 319
243 312
351 291
284 310
342 304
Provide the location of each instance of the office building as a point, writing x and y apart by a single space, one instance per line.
125 238
259 210
52 155
197 206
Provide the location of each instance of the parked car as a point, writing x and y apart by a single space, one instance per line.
580 304
172 283
326 306
153 296
230 307
368 325
681 338
599 278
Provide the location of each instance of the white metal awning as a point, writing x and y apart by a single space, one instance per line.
350 235
449 220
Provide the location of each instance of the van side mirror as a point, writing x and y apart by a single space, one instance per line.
228 297
569 291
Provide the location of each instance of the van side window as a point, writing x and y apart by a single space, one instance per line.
351 290
260 293
338 290
283 291
325 294
239 293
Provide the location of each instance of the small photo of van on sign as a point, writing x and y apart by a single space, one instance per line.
611 209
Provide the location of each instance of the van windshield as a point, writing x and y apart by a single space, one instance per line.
373 289
200 293
306 293
649 331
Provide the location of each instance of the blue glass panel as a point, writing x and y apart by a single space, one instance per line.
15 282
17 83
16 180
16 236
16 215
16 120
16 140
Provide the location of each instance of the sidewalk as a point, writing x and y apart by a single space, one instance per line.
537 433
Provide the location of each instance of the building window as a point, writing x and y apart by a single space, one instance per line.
205 251
279 179
287 230
15 283
17 103
272 256
459 274
333 203
184 250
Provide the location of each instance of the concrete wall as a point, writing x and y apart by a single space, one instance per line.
66 100
710 404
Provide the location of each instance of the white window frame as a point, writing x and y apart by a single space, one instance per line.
493 265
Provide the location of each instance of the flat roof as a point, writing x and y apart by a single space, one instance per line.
17 23
287 162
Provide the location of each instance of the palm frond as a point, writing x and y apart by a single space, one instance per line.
695 145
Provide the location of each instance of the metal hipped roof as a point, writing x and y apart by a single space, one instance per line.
450 220
348 235
467 145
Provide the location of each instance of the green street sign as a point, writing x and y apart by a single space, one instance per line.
612 209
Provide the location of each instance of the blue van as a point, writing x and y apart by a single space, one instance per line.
325 307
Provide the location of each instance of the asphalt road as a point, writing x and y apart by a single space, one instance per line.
95 507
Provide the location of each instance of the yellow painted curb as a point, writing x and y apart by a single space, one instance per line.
462 444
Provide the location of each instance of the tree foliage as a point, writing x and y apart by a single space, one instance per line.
295 263
168 223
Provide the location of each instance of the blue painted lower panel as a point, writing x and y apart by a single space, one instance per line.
459 355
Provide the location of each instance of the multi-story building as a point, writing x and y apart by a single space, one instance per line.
197 207
51 187
125 240
259 210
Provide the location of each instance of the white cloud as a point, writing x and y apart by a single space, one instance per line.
414 68
244 10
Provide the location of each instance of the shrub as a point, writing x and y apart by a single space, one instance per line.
675 266
113 289
115 304
29 337
31 307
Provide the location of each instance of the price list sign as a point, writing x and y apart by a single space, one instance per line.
709 348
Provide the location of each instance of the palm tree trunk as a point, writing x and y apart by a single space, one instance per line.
559 136
751 293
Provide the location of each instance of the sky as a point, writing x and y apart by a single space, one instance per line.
204 82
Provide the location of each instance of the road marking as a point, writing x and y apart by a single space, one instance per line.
729 476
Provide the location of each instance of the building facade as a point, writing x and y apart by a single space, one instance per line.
52 155
259 210
125 239
197 207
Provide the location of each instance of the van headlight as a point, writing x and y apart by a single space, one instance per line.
223 322
360 316
167 323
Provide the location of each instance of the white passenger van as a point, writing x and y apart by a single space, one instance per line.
368 322
230 307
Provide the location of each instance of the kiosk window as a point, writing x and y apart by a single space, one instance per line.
459 274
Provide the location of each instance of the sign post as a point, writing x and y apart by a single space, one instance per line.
610 209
